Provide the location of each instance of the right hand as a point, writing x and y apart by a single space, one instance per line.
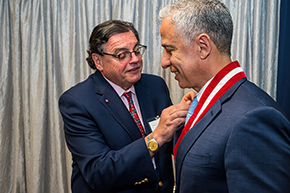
171 118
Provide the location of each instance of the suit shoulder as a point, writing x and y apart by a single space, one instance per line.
256 97
84 86
149 78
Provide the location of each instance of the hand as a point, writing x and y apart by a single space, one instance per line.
171 118
188 97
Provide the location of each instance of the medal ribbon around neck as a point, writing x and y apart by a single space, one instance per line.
223 80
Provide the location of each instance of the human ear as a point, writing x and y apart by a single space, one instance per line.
98 63
204 42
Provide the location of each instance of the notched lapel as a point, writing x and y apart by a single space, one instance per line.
112 102
194 133
146 106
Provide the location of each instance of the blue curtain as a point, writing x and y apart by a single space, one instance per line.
283 78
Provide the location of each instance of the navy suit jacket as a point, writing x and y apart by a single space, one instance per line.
109 153
242 144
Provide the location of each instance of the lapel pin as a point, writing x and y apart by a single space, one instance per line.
106 100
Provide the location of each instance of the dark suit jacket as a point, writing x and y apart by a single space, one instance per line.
109 153
242 144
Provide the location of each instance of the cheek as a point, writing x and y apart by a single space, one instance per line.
122 67
177 61
113 68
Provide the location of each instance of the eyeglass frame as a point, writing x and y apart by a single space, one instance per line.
134 51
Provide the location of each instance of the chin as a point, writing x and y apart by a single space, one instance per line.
182 85
136 78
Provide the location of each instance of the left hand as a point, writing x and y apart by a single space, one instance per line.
188 97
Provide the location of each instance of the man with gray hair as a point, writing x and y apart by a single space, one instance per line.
236 137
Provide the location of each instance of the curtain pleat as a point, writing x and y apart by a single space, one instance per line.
43 47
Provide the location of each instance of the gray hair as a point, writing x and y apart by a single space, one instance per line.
193 17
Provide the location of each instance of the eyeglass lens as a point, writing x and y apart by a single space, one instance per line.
124 56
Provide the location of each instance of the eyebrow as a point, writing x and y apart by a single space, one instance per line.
125 49
168 46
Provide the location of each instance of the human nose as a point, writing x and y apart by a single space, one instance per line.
165 60
135 57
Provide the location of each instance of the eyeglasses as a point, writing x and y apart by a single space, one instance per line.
126 56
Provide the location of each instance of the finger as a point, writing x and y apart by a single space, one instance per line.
178 113
173 108
169 118
188 97
180 107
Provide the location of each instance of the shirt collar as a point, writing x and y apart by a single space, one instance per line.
120 91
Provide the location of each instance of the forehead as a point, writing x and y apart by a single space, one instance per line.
125 40
168 36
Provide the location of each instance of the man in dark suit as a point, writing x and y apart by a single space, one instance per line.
113 151
237 139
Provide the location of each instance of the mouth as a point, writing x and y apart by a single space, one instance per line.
176 75
134 69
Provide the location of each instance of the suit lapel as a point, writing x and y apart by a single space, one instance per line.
145 103
112 102
193 134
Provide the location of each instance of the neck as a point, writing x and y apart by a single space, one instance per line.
213 65
218 62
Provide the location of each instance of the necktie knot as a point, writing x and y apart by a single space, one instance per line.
128 95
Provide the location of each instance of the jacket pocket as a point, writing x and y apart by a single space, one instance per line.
197 160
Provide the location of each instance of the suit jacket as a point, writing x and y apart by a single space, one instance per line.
242 144
109 153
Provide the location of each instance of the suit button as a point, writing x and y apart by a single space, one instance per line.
160 184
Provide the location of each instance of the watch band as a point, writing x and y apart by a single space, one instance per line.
152 144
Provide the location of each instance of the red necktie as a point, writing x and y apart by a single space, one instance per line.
133 112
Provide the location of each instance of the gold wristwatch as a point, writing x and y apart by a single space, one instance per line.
152 144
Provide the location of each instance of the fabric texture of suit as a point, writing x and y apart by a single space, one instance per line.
109 153
242 144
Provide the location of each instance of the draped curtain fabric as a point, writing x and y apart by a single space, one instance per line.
43 49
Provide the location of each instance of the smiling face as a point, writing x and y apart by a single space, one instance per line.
123 74
183 60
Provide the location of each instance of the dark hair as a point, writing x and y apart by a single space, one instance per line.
101 34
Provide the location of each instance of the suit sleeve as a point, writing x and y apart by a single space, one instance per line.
102 168
258 153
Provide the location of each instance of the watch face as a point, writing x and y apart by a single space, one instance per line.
153 146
